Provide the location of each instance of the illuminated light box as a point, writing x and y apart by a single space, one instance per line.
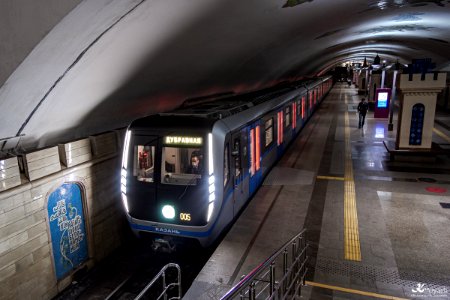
383 97
382 100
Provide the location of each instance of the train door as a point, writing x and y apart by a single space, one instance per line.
239 168
287 125
280 133
303 109
294 116
299 114
314 97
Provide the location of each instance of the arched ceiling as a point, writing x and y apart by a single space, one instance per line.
111 61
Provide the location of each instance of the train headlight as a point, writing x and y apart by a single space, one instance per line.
168 211
211 179
123 172
211 188
212 197
125 202
210 155
125 150
210 210
123 188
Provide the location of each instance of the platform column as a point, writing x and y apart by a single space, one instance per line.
362 81
417 109
375 83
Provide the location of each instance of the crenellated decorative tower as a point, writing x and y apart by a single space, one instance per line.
418 105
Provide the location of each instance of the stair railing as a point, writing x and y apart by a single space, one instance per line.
166 287
278 277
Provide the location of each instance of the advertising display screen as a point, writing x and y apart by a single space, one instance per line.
382 99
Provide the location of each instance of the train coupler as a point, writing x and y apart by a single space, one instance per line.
163 245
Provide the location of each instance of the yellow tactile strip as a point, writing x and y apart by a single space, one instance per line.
441 134
329 177
352 291
352 248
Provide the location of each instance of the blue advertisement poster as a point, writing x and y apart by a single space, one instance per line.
67 228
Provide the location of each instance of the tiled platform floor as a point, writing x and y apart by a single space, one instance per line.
401 210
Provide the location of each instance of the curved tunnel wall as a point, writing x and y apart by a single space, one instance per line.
24 25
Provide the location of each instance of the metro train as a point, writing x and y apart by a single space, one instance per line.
189 172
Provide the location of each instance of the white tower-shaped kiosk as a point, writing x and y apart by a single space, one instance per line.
417 109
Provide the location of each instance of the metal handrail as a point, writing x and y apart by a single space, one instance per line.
166 287
256 285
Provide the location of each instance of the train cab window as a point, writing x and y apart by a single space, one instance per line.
287 119
226 166
181 165
269 131
144 160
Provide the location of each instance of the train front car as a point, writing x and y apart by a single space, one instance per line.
168 179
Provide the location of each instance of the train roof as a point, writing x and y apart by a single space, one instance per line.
204 111
168 122
223 105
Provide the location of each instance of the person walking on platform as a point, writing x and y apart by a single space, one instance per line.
363 106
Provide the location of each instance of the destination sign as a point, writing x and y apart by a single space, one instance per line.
183 140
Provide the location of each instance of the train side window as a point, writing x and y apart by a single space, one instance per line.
237 158
287 113
299 107
269 131
244 142
144 160
226 166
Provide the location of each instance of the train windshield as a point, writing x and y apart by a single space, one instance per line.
181 165
144 160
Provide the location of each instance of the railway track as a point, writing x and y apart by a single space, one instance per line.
124 274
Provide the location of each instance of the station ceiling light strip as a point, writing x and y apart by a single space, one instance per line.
352 247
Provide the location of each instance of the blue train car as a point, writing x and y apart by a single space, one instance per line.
188 173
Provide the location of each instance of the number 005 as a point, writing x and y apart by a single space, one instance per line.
185 217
